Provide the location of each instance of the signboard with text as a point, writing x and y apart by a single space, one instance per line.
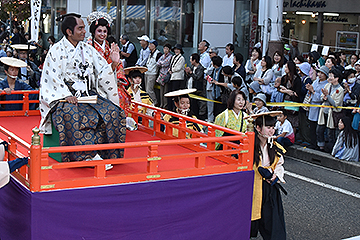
347 39
351 6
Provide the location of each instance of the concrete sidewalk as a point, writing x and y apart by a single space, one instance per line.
323 159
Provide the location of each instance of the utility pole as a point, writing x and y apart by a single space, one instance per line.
270 17
320 25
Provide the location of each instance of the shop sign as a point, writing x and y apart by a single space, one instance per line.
304 4
347 39
351 6
336 19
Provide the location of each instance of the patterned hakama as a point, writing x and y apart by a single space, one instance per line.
88 124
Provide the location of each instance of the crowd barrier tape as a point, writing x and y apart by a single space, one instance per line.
295 104
281 104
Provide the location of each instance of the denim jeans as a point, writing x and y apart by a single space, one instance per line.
285 142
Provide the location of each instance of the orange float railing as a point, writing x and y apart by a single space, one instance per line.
25 102
233 157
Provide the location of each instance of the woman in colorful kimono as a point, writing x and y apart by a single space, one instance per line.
234 116
99 23
267 210
182 106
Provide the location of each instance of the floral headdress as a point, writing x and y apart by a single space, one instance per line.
95 16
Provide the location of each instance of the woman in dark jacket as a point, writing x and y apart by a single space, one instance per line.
238 65
291 87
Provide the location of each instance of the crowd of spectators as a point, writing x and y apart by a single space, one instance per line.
18 36
332 80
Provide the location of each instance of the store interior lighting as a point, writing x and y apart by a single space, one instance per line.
315 14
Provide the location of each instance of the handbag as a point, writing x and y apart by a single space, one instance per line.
166 78
307 100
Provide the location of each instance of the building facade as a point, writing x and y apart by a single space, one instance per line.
327 22
168 21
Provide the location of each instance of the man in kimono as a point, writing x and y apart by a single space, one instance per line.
74 69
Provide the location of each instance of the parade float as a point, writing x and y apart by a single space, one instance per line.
165 187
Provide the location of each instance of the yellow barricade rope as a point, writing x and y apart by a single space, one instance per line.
280 104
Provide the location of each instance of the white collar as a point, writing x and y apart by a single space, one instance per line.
101 45
236 115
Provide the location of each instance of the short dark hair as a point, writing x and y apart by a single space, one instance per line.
347 73
177 98
32 55
195 57
284 112
207 44
337 73
135 73
168 46
300 58
126 37
269 121
217 60
239 57
228 70
231 46
52 38
69 22
232 97
237 81
6 67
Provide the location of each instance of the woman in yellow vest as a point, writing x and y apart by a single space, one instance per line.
267 210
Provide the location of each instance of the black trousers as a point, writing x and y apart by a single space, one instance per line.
271 225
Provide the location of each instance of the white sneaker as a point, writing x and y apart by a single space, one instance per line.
108 167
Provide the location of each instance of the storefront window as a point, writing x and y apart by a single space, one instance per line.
133 19
60 9
107 7
165 21
190 23
242 31
46 17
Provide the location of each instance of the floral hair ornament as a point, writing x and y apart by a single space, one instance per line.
95 16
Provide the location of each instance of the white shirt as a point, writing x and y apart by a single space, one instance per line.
228 61
285 127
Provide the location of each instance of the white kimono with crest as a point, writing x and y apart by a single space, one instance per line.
62 65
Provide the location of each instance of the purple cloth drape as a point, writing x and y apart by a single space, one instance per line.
207 207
